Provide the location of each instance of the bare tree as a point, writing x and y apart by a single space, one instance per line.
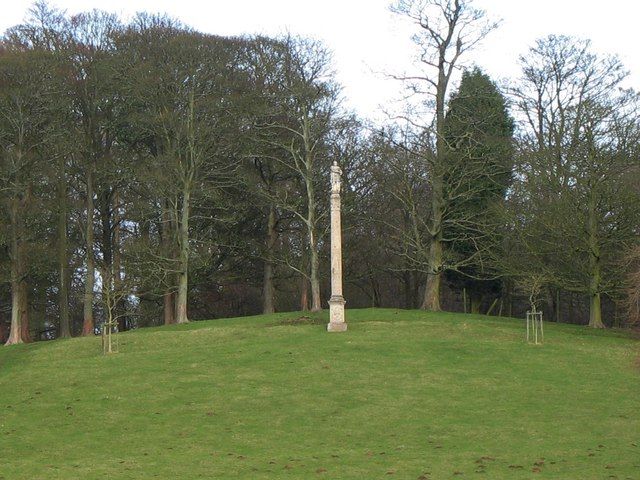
303 122
578 155
446 30
24 130
632 300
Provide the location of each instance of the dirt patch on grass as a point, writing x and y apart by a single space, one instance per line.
304 320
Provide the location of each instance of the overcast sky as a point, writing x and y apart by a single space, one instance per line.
367 39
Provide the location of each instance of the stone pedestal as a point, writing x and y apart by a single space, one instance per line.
336 302
336 314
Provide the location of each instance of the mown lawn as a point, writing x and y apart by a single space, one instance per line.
401 395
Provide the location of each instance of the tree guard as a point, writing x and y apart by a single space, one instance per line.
535 331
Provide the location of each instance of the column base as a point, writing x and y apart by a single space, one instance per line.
336 327
336 314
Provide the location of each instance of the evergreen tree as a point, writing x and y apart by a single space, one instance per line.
478 135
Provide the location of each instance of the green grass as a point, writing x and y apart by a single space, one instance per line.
402 394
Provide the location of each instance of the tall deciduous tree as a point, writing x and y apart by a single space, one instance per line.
303 124
90 50
446 29
184 114
47 31
25 96
579 152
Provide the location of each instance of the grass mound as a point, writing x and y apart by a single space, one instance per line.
402 394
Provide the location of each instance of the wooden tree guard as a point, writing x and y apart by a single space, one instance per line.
110 337
535 331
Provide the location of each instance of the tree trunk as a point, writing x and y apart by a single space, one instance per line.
407 289
88 323
432 290
431 299
315 280
268 290
308 175
121 305
313 247
15 330
476 303
106 245
63 261
304 295
183 279
556 305
19 318
595 311
167 240
375 291
169 307
3 331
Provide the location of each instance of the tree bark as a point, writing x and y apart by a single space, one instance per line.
432 291
313 243
169 307
407 289
268 290
304 295
88 322
183 279
169 296
315 280
375 292
431 299
24 307
595 310
3 331
63 260
121 306
19 318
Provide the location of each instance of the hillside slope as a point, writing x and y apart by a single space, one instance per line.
402 394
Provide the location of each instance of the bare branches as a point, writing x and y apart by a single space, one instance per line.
446 30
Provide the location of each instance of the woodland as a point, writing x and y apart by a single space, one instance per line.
154 174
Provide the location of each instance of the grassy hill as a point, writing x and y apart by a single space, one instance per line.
402 394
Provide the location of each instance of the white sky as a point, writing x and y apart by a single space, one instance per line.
367 39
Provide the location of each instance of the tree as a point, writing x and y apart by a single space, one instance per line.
478 132
24 128
90 50
185 116
578 156
393 189
269 178
301 128
46 32
447 29
632 299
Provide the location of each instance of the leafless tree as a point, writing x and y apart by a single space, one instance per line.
445 31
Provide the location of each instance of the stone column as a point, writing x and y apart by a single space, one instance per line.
336 302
